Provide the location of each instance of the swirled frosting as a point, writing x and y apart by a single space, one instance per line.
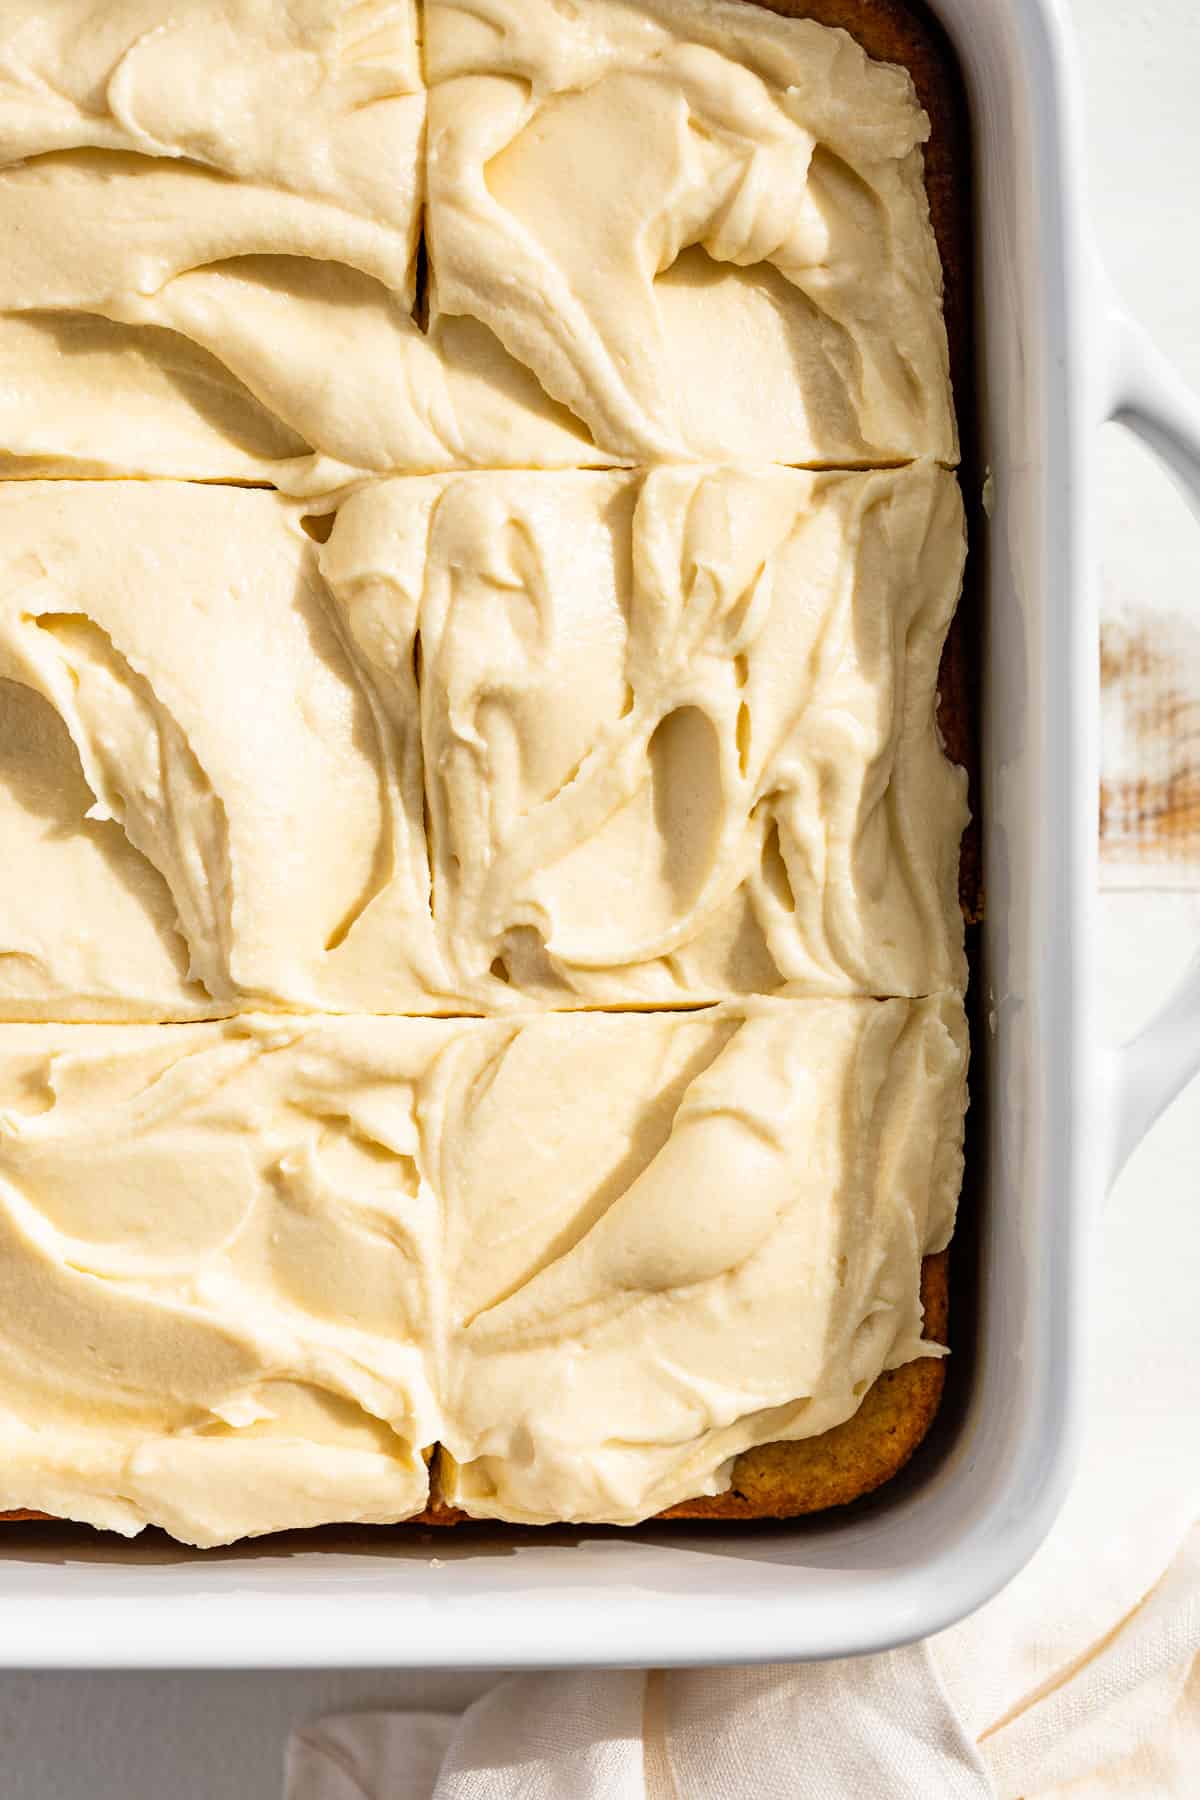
726 1253
678 728
215 1250
209 809
703 227
252 1269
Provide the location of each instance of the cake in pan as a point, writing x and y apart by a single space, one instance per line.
481 987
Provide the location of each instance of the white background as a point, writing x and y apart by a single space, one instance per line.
220 1737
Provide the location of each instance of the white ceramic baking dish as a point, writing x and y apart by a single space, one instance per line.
1055 1116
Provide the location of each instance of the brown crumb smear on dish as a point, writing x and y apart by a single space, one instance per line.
1152 817
783 1480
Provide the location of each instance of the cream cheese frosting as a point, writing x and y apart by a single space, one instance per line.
625 192
252 1269
188 173
678 727
209 809
719 1247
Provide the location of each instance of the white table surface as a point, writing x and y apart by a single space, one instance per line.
220 1737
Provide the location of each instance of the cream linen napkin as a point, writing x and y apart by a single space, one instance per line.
1121 1719
881 1726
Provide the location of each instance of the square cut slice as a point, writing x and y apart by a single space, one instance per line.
217 1250
190 198
212 219
679 734
703 228
204 805
711 1239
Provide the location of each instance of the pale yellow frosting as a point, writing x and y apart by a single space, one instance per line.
191 172
215 1249
712 1240
678 728
209 809
251 1269
703 227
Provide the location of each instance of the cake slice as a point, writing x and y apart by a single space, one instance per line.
701 226
694 1258
215 1249
215 219
678 727
188 199
209 808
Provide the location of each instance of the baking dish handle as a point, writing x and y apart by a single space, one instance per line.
1146 394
